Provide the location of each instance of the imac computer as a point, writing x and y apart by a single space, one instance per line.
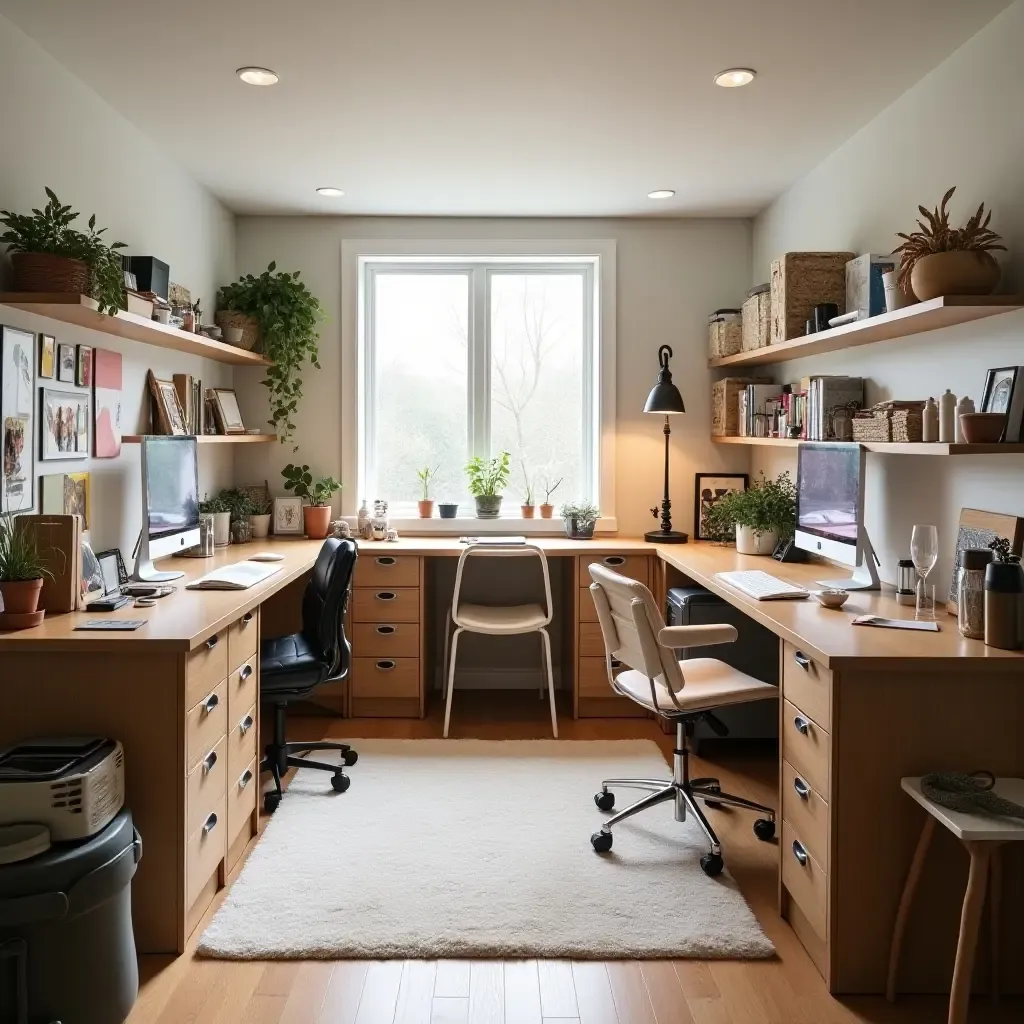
830 511
170 503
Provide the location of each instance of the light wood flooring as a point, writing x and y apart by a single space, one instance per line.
189 990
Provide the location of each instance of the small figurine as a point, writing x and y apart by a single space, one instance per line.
340 528
392 534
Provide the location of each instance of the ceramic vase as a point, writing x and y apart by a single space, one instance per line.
964 272
260 526
753 542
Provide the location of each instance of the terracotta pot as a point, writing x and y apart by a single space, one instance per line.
982 427
750 542
954 273
527 511
41 272
547 511
426 508
316 521
21 597
260 526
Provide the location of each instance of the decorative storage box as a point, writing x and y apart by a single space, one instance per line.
801 281
725 333
725 413
757 318
865 291
890 421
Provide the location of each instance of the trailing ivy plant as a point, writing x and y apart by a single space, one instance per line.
288 315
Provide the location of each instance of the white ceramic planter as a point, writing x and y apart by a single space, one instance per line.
750 542
221 529
260 526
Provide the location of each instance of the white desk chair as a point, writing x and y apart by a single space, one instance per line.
498 620
683 692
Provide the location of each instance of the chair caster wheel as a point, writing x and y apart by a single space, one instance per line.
764 829
350 758
711 864
340 782
601 841
270 802
605 800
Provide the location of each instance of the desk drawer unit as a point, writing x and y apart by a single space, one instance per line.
244 638
591 640
380 678
386 604
807 810
587 608
598 698
386 572
205 851
806 746
242 791
634 566
205 724
807 684
386 639
243 686
241 740
206 784
804 878
207 666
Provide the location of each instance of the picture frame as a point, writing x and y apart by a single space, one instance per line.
168 417
709 488
226 411
17 419
47 356
288 517
66 364
64 425
83 366
1004 392
106 402
977 529
64 494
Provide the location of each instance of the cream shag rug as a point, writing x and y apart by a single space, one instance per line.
470 848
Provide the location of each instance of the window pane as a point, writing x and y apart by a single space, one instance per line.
421 327
537 382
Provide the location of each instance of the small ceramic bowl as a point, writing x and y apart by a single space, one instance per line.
830 598
982 427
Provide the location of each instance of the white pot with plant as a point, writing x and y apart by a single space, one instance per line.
21 576
547 510
757 517
316 513
580 518
259 518
426 503
221 512
487 481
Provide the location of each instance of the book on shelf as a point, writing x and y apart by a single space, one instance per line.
825 394
190 390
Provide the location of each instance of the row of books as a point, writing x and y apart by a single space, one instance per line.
806 411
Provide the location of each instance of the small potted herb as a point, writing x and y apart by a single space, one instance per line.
528 507
259 517
547 510
487 481
580 519
21 575
426 503
316 514
448 509
759 516
219 508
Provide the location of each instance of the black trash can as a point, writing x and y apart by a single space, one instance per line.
67 950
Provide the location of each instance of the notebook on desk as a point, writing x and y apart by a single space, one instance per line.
240 576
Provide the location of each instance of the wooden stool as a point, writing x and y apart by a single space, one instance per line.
982 835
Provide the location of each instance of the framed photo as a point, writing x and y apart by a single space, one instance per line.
708 490
167 415
47 356
1004 392
288 516
83 367
226 412
64 424
65 494
66 364
977 529
17 412
106 375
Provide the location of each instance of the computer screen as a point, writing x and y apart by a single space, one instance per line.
828 491
171 484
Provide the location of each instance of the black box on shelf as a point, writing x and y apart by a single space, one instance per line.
151 275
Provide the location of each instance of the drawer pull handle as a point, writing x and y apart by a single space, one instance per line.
385 630
614 560
210 824
801 787
212 642
385 595
246 618
245 778
385 666
244 672
245 724
799 852
209 761
802 660
385 560
802 725
210 703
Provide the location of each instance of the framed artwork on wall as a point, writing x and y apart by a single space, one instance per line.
17 413
226 412
64 425
66 364
1004 392
708 490
83 367
106 372
47 356
63 494
167 415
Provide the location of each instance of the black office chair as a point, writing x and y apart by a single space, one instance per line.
292 667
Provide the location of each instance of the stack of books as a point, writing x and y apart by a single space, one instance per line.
191 398
826 394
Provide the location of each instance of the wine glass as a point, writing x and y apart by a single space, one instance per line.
924 551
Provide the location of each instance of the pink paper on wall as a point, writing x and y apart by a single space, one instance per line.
107 403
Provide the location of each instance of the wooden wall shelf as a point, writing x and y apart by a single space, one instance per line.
887 447
932 315
82 311
211 438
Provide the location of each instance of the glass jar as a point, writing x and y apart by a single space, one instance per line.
970 592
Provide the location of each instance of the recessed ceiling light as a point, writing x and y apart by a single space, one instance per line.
733 78
257 76
329 191
661 193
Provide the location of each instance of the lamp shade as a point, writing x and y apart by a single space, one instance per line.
664 398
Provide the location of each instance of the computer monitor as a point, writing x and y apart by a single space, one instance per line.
170 503
830 510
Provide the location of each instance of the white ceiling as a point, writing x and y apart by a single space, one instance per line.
500 107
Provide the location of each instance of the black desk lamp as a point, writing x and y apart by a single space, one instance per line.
665 400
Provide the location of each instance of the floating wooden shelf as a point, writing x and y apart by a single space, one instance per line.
945 311
887 447
211 438
83 312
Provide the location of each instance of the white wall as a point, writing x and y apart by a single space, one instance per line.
958 126
57 132
670 274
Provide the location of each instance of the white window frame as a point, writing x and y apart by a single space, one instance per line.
361 260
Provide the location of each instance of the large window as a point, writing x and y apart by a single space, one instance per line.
460 357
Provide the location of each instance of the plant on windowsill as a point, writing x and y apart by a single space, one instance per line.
580 519
21 575
528 506
760 516
426 503
316 514
547 510
487 481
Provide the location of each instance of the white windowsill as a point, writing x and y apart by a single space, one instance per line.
470 526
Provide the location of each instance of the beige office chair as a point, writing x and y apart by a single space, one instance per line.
497 620
683 692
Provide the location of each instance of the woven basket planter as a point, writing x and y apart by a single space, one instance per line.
249 327
43 272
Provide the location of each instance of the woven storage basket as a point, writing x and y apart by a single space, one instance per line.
801 281
725 413
725 333
757 319
874 426
907 425
42 272
886 423
250 328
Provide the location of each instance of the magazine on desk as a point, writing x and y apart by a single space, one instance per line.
240 576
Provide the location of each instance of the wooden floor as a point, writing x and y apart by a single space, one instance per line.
789 990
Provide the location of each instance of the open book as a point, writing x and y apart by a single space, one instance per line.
239 576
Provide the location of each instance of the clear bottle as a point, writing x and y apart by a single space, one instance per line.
970 592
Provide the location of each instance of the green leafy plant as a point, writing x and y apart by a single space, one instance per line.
262 506
49 232
550 488
425 475
580 513
211 506
20 559
299 480
238 503
766 505
289 316
1001 551
488 477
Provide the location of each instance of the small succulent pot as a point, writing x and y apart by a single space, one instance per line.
221 529
316 521
488 506
426 508
527 511
576 530
21 597
260 526
547 511
448 509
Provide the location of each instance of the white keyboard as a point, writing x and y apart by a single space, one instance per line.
761 586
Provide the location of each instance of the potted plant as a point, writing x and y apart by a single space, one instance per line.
21 576
547 510
219 508
580 519
426 503
49 255
316 515
760 515
448 509
287 315
940 260
487 480
259 517
528 507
